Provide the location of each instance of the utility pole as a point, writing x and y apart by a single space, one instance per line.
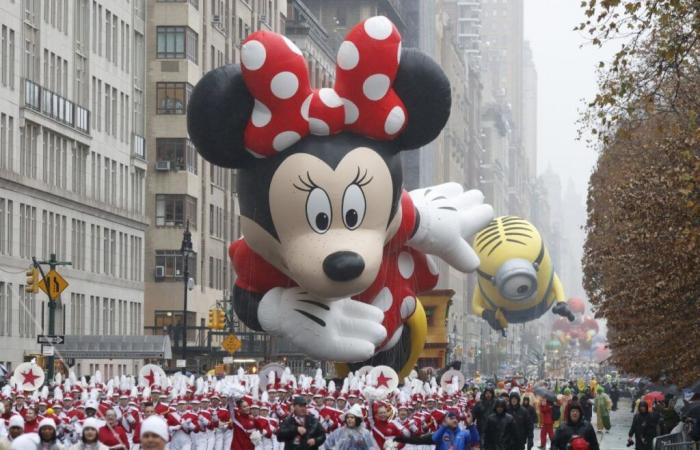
53 289
186 250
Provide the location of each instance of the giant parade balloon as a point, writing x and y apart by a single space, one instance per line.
334 253
516 281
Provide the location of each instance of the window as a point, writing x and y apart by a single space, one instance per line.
172 98
27 231
170 323
172 262
6 227
28 154
7 128
179 151
176 43
175 210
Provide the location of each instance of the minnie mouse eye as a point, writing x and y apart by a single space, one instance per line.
318 210
354 206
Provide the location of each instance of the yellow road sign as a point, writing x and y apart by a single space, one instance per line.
231 343
56 284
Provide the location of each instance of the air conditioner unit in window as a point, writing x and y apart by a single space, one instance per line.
160 272
163 165
216 19
263 18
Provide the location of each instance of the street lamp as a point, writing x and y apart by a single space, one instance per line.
186 249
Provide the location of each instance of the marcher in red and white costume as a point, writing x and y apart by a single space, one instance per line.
383 428
180 439
208 420
243 426
223 432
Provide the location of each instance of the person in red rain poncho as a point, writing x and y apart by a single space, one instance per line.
547 422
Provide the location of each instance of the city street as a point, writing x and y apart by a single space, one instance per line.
620 421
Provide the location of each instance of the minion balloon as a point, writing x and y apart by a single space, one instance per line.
516 279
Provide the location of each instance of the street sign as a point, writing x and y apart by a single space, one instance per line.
52 340
181 363
231 343
47 350
56 284
228 360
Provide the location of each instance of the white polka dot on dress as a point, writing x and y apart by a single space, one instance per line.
406 265
383 300
408 306
305 107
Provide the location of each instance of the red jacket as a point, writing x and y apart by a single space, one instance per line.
242 425
113 437
546 414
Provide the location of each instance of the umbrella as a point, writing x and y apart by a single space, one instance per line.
655 396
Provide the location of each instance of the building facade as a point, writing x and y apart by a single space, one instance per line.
72 170
186 39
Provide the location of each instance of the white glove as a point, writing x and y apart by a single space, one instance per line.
448 218
255 437
130 419
342 330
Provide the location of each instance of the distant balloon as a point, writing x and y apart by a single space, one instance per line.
577 305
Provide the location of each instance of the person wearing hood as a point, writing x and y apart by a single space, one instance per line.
352 435
484 408
602 404
15 428
523 422
587 404
645 427
450 437
576 432
500 432
48 437
546 422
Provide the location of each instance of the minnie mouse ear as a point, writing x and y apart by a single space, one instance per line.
218 112
425 91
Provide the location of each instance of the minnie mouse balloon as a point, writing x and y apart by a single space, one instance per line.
335 251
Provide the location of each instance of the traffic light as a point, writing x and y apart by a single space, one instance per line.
221 319
217 319
32 285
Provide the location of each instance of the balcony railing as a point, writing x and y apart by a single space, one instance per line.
56 107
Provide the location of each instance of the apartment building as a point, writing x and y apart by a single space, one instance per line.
186 39
72 170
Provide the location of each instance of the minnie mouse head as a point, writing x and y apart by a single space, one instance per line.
320 165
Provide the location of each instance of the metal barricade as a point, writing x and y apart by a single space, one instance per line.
674 441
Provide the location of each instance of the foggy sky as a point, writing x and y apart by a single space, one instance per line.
566 75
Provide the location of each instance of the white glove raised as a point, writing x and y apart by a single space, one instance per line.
448 218
342 330
255 437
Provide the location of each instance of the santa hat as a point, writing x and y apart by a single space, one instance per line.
16 421
355 410
47 423
91 422
155 425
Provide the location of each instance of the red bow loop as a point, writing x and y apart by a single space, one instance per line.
287 109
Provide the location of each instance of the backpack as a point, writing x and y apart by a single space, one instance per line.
577 443
556 412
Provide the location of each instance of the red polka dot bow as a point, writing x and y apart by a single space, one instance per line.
287 109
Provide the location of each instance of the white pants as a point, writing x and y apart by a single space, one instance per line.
211 439
181 441
199 441
222 439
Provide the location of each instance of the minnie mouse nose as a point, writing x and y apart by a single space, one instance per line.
343 266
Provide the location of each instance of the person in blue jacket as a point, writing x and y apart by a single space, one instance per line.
450 437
